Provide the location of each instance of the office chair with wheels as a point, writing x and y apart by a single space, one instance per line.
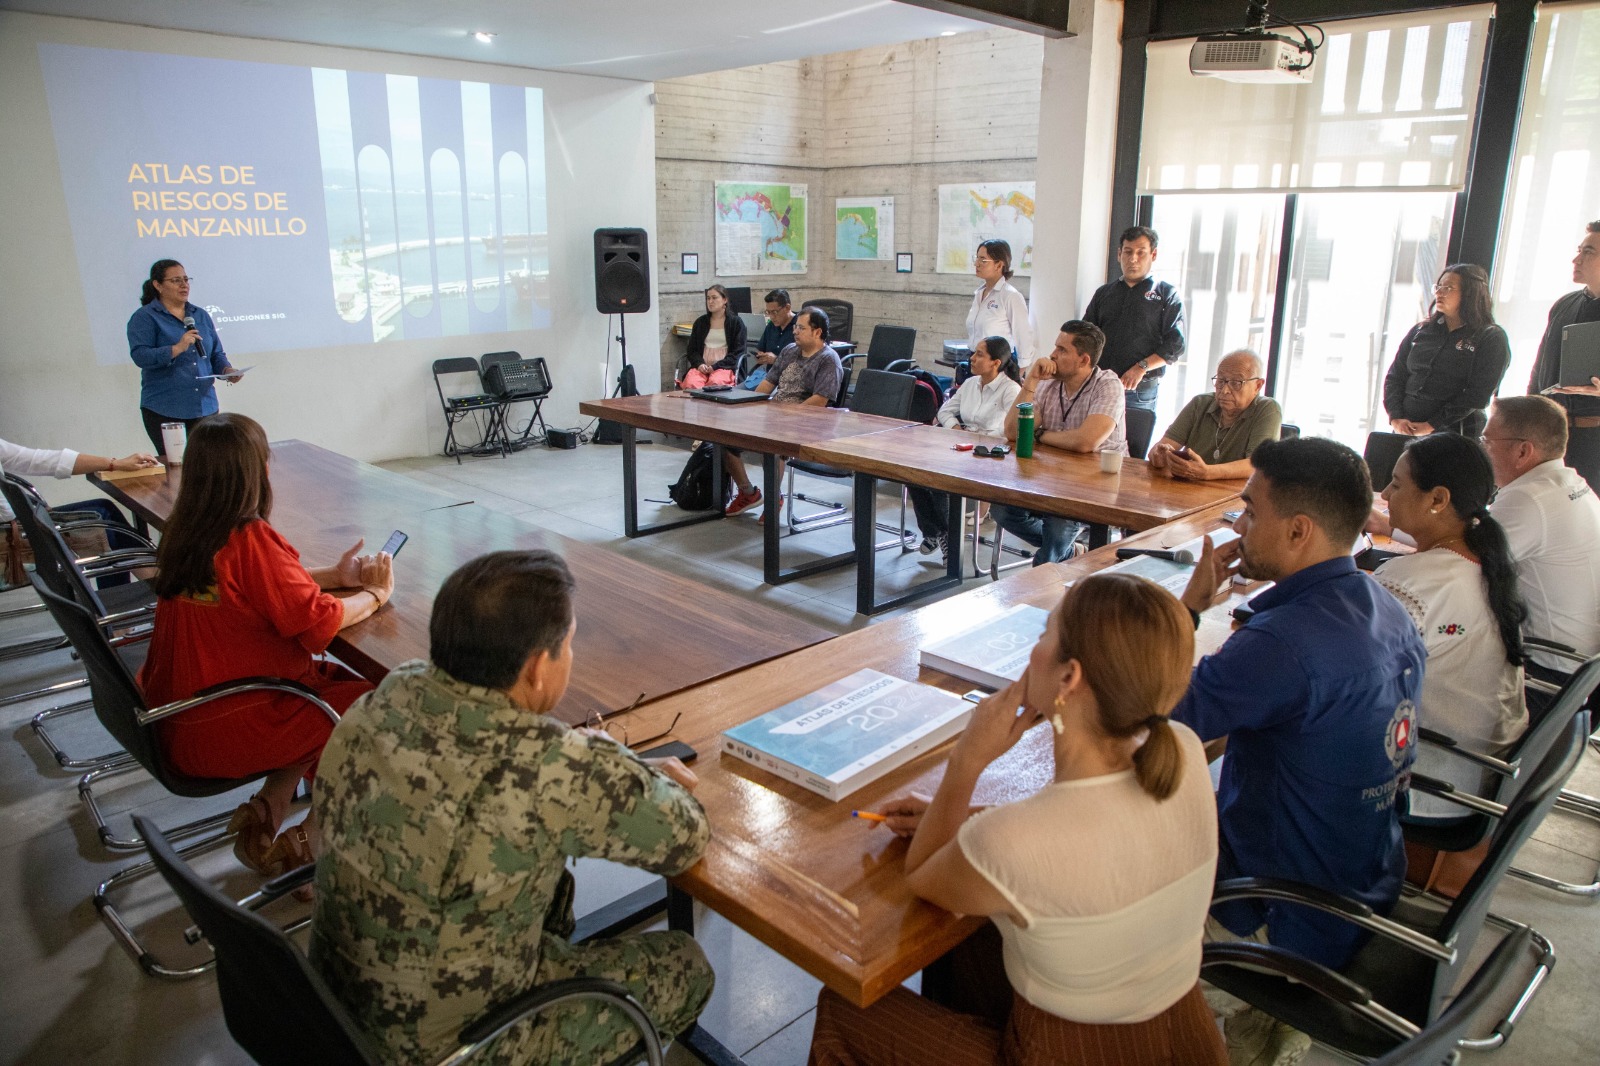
888 344
1381 452
1141 426
477 407
282 1013
1399 980
877 393
841 316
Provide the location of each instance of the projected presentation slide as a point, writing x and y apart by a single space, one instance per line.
312 207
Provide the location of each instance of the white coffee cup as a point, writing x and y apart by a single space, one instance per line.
1110 462
174 435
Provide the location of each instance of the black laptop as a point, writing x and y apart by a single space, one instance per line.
727 395
1580 353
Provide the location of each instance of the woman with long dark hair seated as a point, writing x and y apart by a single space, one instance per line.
1460 589
235 602
980 404
1099 883
715 343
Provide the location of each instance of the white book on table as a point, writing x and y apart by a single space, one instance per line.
847 734
993 654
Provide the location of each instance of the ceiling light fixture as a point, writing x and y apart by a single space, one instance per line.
485 37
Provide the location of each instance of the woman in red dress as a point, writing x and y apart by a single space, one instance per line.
236 602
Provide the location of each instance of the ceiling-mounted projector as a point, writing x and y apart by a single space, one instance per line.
1255 58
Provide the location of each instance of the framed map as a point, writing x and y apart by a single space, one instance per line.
863 227
982 212
760 228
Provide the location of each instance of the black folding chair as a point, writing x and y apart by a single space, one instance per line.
477 407
1398 983
282 1012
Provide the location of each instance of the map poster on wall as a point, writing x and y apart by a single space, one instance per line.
993 210
760 228
863 227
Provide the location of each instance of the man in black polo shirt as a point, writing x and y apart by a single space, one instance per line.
1141 317
1583 412
778 335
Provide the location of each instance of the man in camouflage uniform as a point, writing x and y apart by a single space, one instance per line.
449 803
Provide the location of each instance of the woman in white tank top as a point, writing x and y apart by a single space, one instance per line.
1098 884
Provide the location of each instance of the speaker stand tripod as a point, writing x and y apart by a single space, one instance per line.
609 432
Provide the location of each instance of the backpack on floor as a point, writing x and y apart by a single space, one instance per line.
692 490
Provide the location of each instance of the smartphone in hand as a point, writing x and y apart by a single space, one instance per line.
396 541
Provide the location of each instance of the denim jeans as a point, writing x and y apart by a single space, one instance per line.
1145 395
1051 534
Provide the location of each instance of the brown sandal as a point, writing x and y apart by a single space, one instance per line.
290 851
253 843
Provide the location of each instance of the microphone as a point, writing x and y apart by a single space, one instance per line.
1181 555
200 348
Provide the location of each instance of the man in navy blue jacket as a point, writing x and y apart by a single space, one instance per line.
1317 697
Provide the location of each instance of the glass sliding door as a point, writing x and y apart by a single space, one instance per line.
1361 275
1221 252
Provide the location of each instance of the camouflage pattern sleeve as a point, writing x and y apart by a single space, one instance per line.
599 800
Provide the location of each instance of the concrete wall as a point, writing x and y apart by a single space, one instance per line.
368 401
898 120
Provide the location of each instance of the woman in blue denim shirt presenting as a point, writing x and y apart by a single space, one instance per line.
175 345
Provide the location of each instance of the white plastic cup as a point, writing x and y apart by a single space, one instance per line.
174 435
1110 462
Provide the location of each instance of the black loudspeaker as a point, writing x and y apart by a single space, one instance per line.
621 271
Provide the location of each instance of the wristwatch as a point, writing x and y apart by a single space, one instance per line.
1144 364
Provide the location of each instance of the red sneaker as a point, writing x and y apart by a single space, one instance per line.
762 518
743 502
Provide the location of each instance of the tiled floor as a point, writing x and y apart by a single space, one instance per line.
69 994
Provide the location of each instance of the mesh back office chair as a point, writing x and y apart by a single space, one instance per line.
476 406
535 392
281 1011
841 316
1399 980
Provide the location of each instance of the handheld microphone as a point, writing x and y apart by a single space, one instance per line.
200 349
1178 556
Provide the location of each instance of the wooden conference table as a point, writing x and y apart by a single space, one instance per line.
770 429
1052 481
635 623
796 871
1138 497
